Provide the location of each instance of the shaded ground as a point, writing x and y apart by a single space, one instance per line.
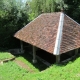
52 58
23 65
43 54
48 56
39 65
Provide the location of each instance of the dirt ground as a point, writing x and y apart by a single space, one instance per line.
23 65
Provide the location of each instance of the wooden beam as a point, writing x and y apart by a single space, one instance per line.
34 55
57 59
21 43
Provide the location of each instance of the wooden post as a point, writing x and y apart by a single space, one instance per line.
34 55
57 59
76 51
21 46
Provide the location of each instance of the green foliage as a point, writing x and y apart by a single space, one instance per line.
61 5
73 9
41 6
13 16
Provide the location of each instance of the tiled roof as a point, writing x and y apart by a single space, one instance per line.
71 35
42 32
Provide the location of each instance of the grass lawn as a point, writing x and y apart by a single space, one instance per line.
12 71
5 55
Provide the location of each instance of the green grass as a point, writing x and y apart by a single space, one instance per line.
11 71
71 71
28 63
39 66
5 55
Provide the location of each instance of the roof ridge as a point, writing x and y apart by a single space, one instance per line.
59 35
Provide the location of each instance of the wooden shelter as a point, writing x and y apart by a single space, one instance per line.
55 33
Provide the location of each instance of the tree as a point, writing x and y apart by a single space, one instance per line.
13 16
73 9
41 6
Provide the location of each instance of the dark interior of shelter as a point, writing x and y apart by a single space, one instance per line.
48 56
